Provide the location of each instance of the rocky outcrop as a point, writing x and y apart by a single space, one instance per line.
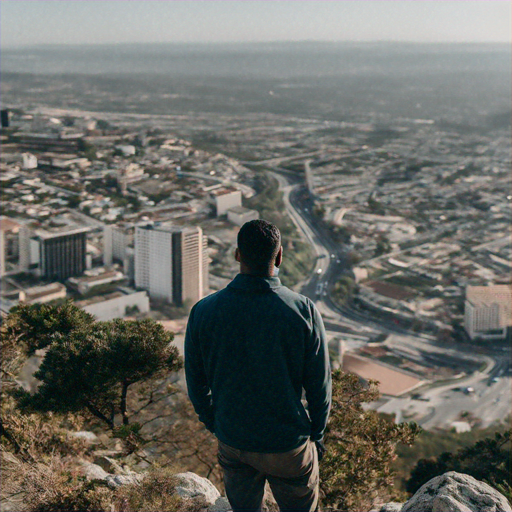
191 486
455 492
451 492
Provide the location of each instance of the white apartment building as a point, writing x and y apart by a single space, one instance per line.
171 263
488 311
116 240
225 198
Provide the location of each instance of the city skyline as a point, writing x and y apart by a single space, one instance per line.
28 23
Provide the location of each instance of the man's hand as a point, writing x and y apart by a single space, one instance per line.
320 448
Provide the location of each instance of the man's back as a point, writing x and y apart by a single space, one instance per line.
254 346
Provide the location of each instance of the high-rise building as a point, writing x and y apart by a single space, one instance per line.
171 263
9 243
116 240
61 253
488 311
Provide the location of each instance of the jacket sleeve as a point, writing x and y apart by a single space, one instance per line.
317 377
197 383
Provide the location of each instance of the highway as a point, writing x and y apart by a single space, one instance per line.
440 405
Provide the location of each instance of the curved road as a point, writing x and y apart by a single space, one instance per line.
442 404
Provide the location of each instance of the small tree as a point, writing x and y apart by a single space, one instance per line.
93 369
344 289
356 469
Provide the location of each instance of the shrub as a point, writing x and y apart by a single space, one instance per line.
56 487
156 493
356 469
488 460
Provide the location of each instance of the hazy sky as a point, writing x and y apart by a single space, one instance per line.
27 22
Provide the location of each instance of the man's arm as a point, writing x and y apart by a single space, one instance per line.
197 383
317 377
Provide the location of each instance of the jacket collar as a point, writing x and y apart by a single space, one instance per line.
254 283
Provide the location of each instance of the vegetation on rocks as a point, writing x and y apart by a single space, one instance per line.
356 470
488 460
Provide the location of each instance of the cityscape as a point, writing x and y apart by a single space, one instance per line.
397 226
371 370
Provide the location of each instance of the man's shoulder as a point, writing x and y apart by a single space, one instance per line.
298 298
209 301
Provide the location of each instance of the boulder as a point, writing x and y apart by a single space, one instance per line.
115 481
92 471
192 486
221 505
110 465
456 492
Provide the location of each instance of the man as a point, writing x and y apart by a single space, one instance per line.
250 350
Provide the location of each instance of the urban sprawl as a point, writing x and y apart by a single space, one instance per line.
398 229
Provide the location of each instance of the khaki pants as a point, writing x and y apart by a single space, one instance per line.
292 476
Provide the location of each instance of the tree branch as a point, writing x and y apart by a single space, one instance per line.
100 415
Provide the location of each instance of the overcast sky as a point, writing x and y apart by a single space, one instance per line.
29 22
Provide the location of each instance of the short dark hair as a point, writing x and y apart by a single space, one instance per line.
259 242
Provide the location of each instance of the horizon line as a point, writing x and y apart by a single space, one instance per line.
246 43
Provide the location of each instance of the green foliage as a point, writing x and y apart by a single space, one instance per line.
89 365
87 149
101 124
319 211
431 444
383 246
488 460
375 206
36 326
93 369
356 469
343 290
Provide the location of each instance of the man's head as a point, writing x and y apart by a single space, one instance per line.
259 247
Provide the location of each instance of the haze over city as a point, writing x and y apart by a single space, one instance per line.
25 22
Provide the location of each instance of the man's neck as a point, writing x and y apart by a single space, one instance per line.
248 272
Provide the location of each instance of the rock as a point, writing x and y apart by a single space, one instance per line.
115 481
113 454
110 465
392 506
455 492
92 471
221 505
190 485
90 437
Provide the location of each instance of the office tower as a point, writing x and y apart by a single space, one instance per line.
62 253
488 311
153 261
171 263
116 240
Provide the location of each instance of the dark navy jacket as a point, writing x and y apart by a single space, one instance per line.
250 349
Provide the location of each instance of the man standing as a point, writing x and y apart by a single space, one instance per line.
250 350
